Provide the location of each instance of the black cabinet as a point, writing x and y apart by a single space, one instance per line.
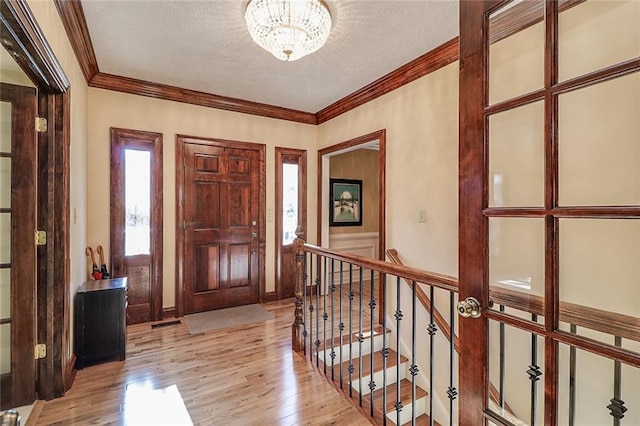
100 321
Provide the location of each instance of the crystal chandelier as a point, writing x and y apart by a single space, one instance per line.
289 29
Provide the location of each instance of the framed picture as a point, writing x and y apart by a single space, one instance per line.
345 196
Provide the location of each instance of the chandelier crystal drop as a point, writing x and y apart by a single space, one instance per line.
289 29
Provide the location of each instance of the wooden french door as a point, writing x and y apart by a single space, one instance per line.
221 182
291 212
18 159
550 211
136 220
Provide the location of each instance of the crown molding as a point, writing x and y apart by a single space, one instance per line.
72 16
429 62
177 94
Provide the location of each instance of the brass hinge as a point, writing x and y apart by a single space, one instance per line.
40 351
40 238
41 124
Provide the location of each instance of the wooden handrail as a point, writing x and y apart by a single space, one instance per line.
444 282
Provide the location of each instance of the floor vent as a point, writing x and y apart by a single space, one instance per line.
166 324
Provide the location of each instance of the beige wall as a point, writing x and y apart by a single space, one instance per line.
421 119
361 164
49 21
112 109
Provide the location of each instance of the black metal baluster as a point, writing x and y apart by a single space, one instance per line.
572 379
306 332
317 342
304 304
452 392
414 368
398 316
351 330
311 308
333 291
617 408
360 337
341 325
372 307
384 351
432 333
502 342
325 316
534 372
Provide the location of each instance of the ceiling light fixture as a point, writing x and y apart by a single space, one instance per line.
289 29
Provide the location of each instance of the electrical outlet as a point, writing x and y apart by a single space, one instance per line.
422 216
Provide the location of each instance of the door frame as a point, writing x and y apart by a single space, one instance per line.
121 139
181 140
381 136
55 372
281 155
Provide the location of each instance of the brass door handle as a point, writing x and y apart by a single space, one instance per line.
470 308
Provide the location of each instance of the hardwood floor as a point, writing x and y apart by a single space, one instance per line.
246 375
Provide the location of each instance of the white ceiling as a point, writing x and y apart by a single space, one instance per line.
204 45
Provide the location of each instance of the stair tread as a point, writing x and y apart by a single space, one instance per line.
377 363
422 420
377 330
405 395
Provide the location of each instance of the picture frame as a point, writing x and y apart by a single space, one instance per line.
345 202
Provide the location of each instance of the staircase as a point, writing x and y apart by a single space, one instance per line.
336 358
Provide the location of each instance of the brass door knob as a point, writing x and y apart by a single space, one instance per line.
470 308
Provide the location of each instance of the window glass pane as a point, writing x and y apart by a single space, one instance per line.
5 348
5 240
516 157
516 59
598 149
600 269
5 182
5 126
516 265
5 293
137 202
289 202
596 34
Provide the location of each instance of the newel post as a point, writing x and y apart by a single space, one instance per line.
297 329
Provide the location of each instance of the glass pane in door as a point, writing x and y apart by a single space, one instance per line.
516 157
596 34
516 51
137 202
516 266
600 276
5 348
516 374
598 149
289 202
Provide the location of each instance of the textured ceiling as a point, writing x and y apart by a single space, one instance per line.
204 45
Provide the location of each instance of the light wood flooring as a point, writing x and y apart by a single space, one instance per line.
245 375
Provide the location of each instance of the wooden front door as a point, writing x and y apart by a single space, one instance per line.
550 211
18 159
222 223
291 213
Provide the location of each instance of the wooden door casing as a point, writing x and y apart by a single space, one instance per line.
285 258
19 386
143 271
220 237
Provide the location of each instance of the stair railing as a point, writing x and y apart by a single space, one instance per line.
340 325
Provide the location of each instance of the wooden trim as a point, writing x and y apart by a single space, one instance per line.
22 36
169 312
70 372
172 93
272 296
179 158
431 61
74 22
288 156
151 142
473 194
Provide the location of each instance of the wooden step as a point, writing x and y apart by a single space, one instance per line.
377 330
377 363
405 395
423 420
